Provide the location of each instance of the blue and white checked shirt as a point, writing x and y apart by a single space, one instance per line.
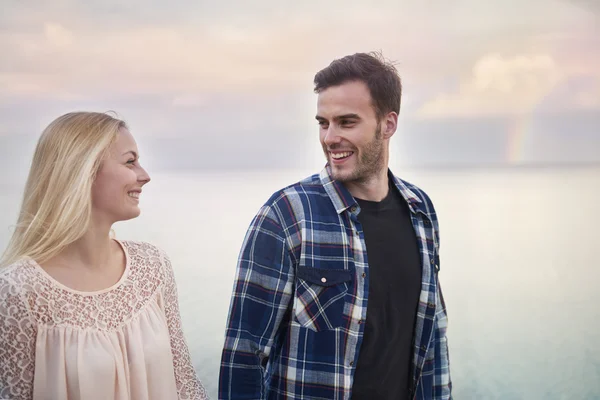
295 322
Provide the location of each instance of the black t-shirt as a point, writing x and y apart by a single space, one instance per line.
385 359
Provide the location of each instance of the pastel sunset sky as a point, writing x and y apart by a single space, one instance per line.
211 85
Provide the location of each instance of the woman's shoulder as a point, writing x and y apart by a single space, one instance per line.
17 279
148 263
16 273
145 257
142 249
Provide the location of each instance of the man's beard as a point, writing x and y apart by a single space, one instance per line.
369 163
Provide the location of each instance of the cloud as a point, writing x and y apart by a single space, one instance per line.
589 99
190 101
199 80
501 85
579 92
57 35
60 61
93 48
592 6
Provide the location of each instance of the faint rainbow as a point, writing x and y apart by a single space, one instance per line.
518 134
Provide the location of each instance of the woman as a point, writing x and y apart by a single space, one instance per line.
82 315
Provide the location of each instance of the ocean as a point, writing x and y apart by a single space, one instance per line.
518 267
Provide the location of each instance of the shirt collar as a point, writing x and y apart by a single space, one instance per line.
337 192
414 202
342 199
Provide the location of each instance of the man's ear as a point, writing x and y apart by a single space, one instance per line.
389 125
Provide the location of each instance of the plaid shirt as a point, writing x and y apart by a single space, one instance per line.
295 327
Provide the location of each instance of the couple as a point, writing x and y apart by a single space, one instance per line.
336 293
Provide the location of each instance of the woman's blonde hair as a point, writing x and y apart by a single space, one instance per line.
57 201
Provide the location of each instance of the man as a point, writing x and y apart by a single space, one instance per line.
337 291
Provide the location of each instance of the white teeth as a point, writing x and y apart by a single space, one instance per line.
135 195
337 156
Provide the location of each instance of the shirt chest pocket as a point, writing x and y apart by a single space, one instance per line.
320 297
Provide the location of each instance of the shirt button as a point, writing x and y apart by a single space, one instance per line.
351 363
360 321
364 274
323 279
424 348
353 209
433 261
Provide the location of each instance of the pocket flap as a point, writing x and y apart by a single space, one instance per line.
323 276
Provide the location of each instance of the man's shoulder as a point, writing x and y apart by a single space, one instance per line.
296 201
417 193
311 186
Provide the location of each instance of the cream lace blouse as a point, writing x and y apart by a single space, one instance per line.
124 342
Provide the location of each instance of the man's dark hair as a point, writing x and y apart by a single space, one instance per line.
380 76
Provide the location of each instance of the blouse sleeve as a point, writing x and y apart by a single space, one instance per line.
17 342
188 385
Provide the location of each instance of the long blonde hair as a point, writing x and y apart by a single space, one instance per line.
57 200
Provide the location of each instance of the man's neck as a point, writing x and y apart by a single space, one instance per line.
375 188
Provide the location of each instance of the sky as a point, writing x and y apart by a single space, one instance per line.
229 85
